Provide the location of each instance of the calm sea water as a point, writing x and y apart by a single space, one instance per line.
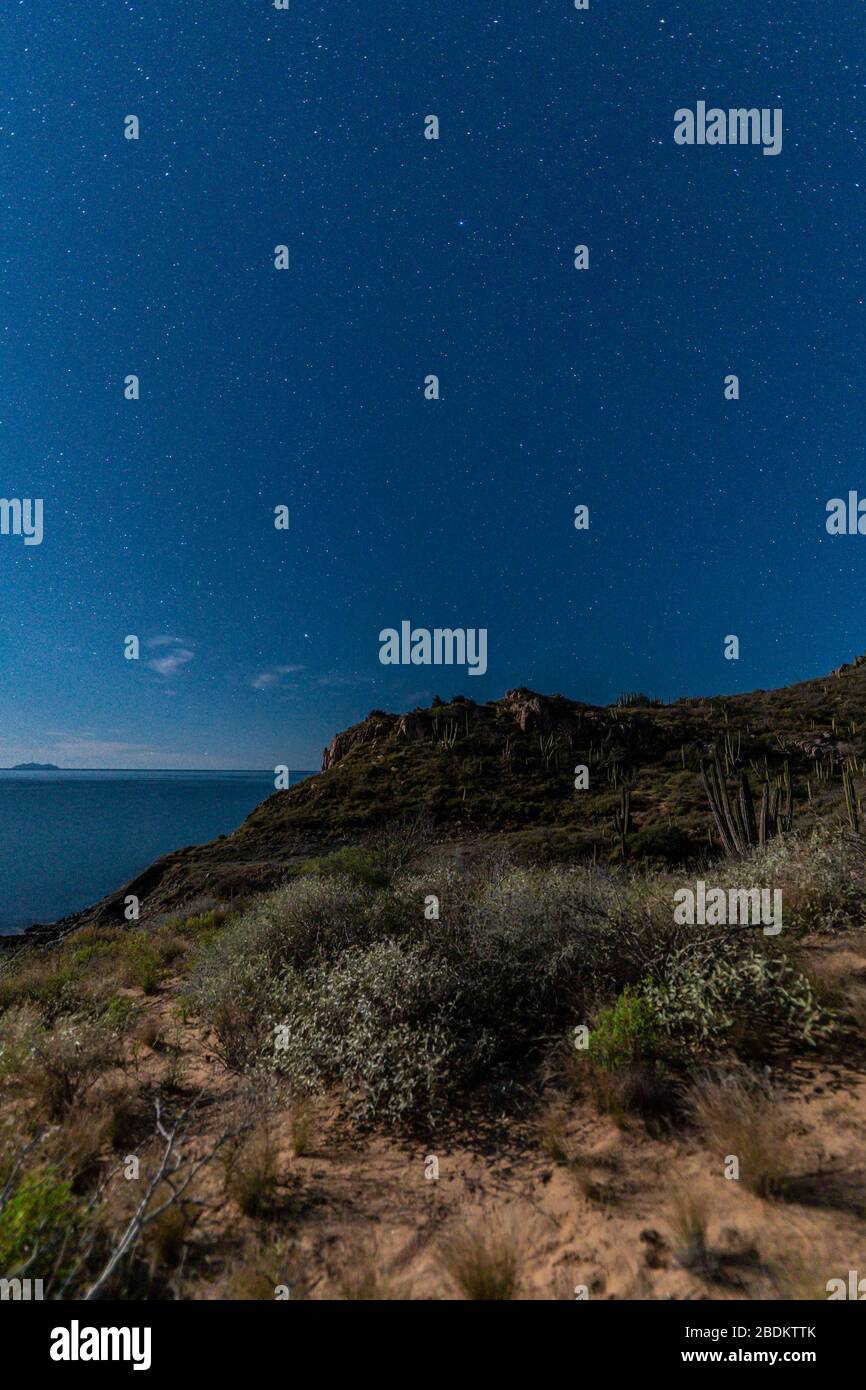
68 838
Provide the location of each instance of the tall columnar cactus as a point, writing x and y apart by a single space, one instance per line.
732 751
735 819
622 818
788 813
851 801
720 805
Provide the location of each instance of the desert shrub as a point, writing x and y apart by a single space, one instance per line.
331 981
529 942
625 1033
37 1218
354 862
401 1011
406 1021
78 976
622 1067
142 965
84 972
377 1021
822 877
667 843
49 984
308 920
734 995
54 1065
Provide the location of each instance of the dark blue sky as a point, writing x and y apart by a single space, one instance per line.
411 257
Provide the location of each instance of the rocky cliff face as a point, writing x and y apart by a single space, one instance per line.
374 729
523 708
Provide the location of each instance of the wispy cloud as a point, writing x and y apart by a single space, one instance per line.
178 654
334 679
92 751
266 680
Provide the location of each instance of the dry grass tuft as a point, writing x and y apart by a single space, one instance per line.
484 1263
251 1171
689 1225
552 1133
302 1119
744 1119
363 1279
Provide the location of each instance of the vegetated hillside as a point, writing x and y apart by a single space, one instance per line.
578 1065
538 1089
506 769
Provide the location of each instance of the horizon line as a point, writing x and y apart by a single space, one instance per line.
265 771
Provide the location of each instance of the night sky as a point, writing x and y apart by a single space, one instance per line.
408 257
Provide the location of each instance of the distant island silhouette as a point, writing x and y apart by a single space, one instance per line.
34 767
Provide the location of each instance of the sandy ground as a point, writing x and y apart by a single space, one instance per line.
603 1222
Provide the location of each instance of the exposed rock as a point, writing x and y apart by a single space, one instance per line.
377 726
848 665
823 747
413 727
538 712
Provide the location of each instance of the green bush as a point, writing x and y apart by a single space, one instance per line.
352 861
624 1066
143 964
37 1216
624 1034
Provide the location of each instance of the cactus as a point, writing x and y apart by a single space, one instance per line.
547 747
717 795
732 754
851 801
622 818
788 813
735 819
449 735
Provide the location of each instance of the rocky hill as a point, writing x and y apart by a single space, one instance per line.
506 769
